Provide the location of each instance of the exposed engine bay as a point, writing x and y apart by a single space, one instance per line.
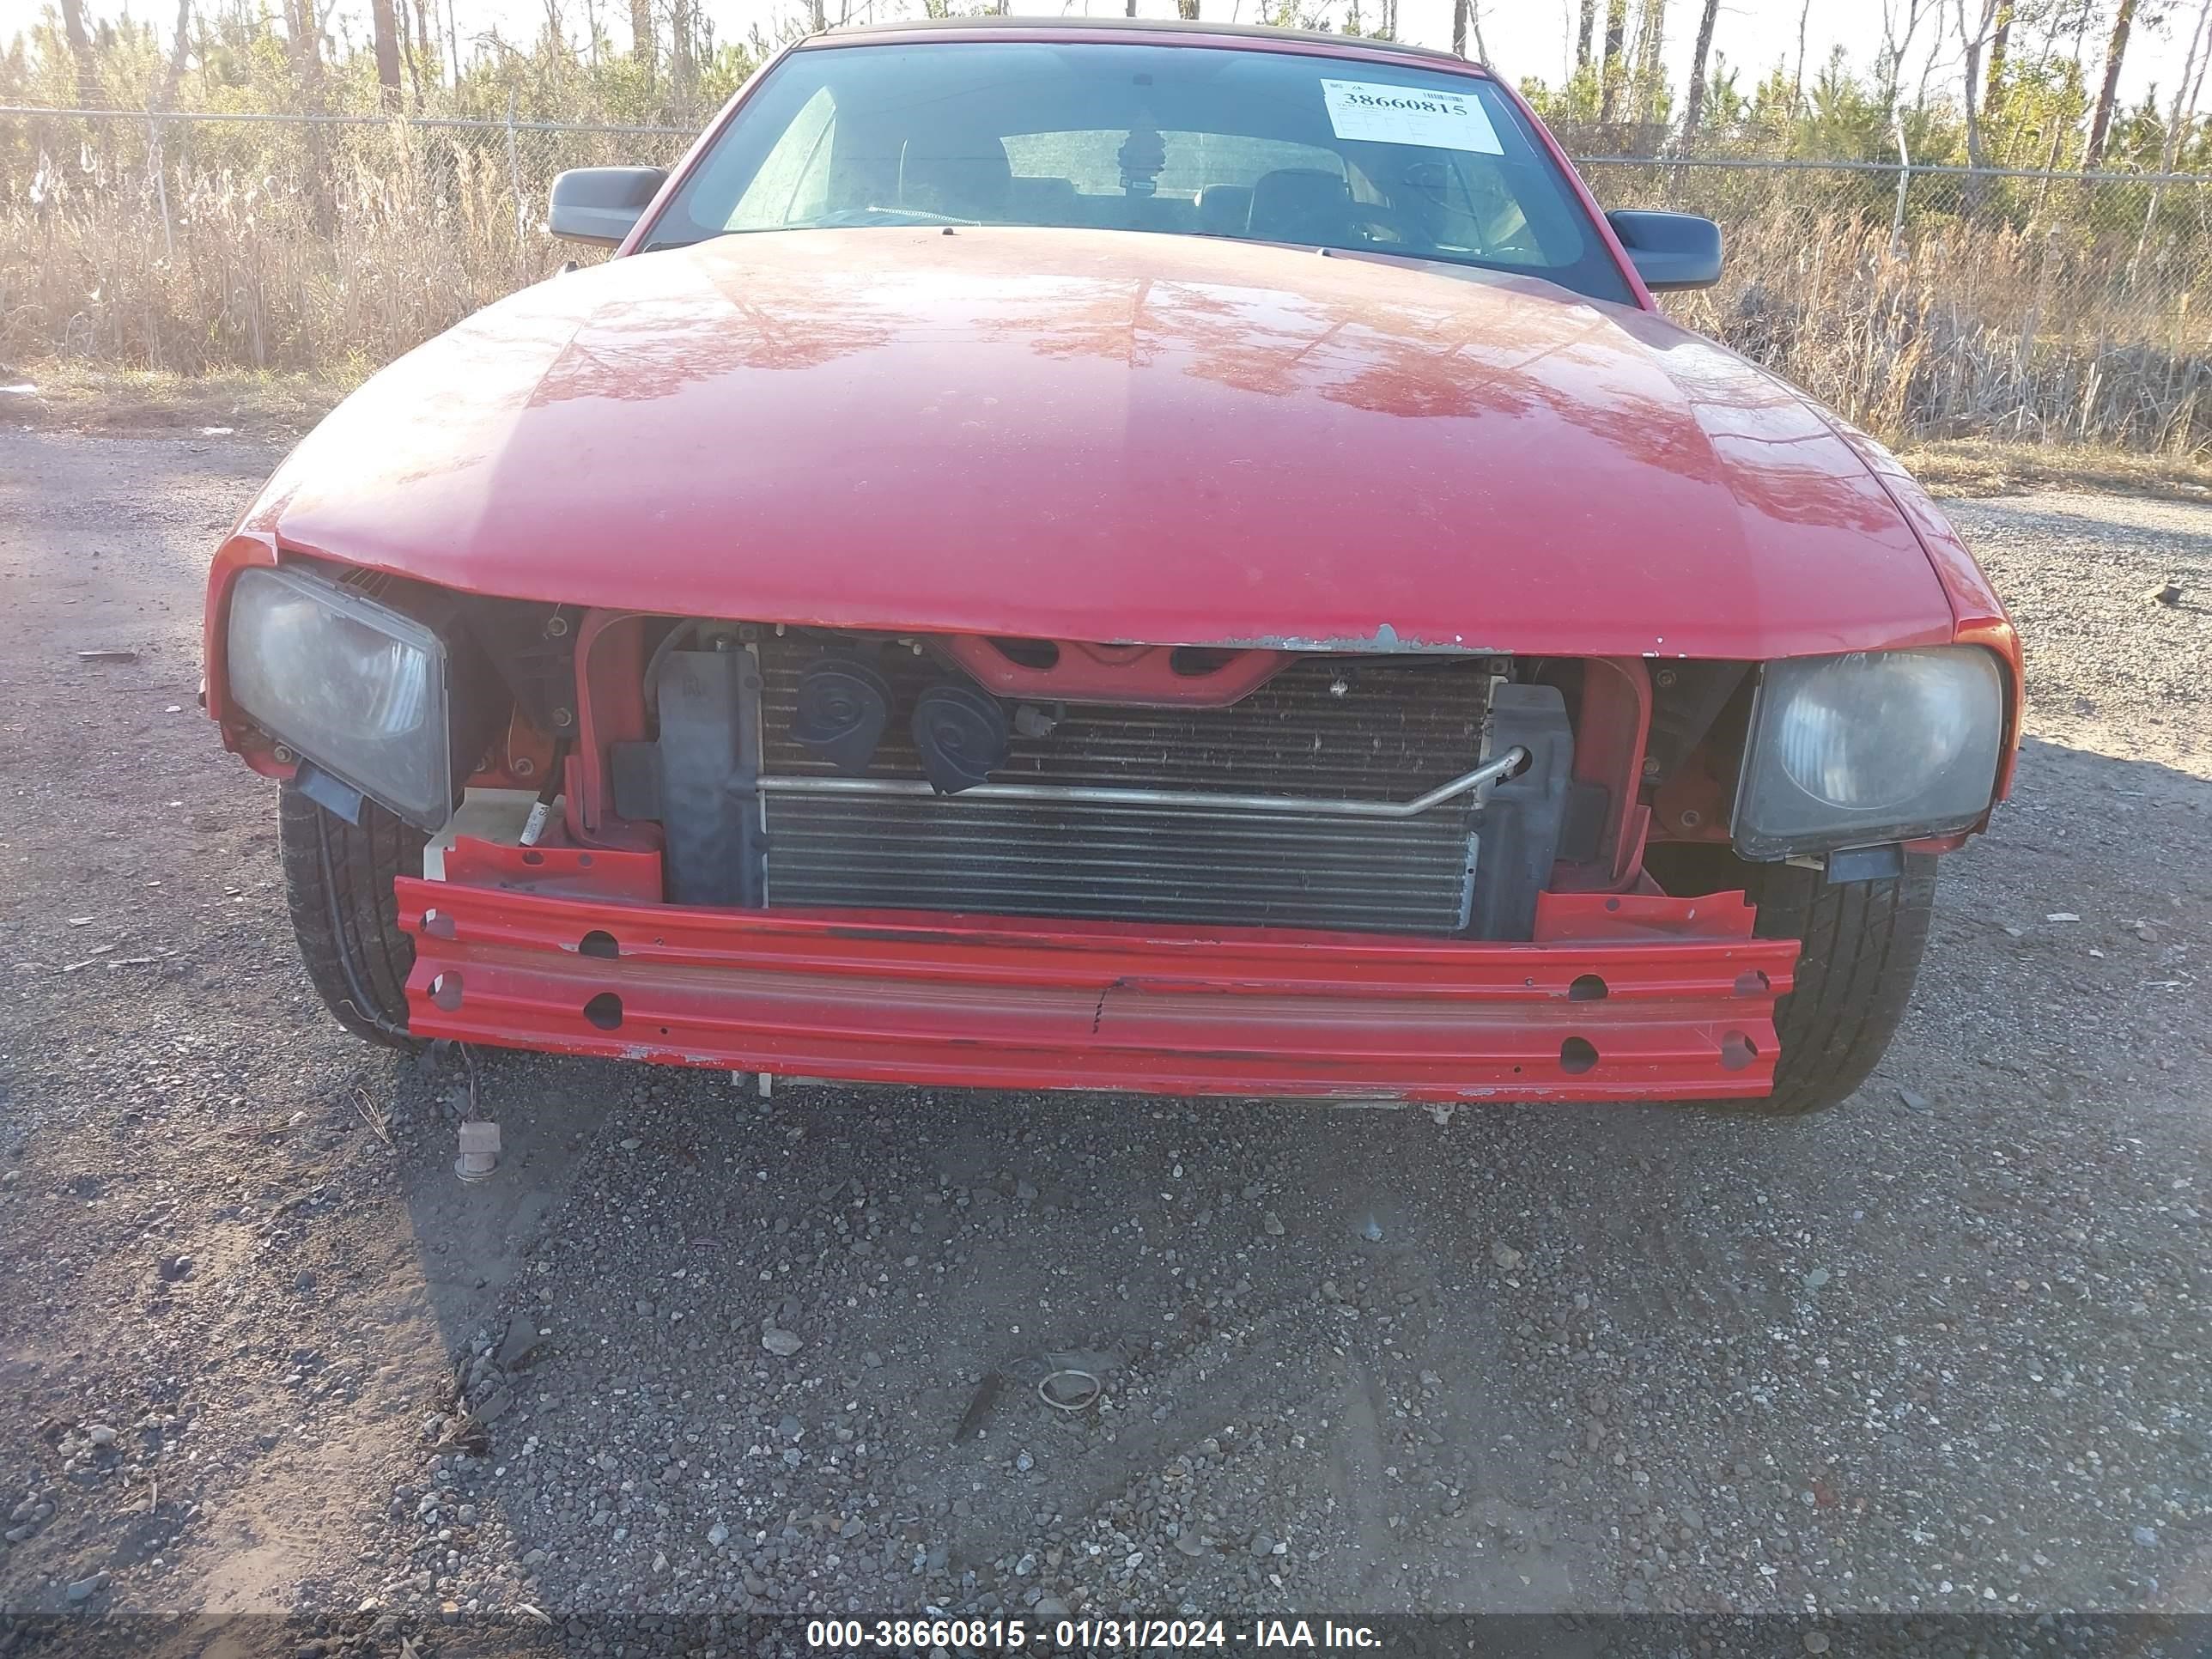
1419 795
757 766
1274 867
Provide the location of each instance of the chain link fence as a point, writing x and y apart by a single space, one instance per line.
1920 302
1945 301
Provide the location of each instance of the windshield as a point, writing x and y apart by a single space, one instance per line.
1206 141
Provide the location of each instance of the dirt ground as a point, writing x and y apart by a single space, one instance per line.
1942 1351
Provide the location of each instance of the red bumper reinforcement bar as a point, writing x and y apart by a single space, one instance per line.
1627 996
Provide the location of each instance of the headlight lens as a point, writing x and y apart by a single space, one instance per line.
357 687
1876 746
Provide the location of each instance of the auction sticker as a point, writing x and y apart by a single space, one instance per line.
1369 111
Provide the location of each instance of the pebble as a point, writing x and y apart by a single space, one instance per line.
2146 1536
1271 1224
1816 1642
1505 1256
779 1342
519 1344
85 1588
718 1535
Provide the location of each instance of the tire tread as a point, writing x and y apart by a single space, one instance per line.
1862 947
338 886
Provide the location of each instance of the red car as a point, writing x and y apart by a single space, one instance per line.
1124 556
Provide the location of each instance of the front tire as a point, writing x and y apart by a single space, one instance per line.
1862 942
1861 945
337 884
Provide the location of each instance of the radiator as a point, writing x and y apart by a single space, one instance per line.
1338 729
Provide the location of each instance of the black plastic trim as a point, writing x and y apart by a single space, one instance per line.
1524 818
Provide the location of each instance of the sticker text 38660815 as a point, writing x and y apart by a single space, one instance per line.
1374 113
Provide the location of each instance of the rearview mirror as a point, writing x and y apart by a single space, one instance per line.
1669 250
600 205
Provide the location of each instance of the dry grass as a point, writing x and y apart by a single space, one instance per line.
2038 337
1982 466
79 396
233 269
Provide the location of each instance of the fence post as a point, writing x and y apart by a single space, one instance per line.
514 179
160 167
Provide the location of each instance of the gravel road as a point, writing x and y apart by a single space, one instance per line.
693 1352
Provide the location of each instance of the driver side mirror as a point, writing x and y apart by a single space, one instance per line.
1669 251
600 205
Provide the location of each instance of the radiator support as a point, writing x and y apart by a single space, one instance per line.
1343 794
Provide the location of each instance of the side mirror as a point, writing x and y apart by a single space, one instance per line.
1669 250
600 205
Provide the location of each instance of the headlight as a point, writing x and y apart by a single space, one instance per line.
1876 746
358 689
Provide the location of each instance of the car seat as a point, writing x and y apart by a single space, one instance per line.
1301 205
1226 209
962 176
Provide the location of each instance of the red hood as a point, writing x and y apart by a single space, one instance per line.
1114 437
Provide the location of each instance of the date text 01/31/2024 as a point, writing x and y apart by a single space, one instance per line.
1078 1635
